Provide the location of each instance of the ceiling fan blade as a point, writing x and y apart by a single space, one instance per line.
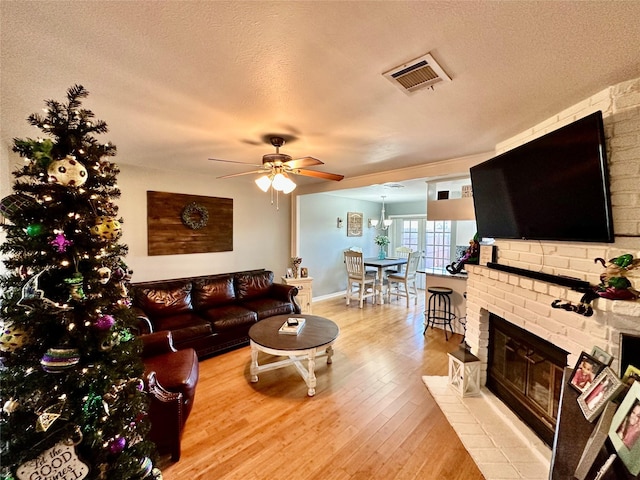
303 162
313 173
233 161
243 173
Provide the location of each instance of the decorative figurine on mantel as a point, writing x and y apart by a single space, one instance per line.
295 263
471 256
614 281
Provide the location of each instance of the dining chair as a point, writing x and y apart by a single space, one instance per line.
400 252
407 279
359 249
358 276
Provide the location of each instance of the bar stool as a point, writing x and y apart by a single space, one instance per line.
439 310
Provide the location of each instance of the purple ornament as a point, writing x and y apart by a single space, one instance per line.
104 322
60 243
117 445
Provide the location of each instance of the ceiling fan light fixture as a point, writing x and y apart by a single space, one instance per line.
279 182
264 182
290 186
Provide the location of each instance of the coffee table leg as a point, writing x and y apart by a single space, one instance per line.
254 364
311 379
329 355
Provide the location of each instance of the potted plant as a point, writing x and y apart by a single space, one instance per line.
382 241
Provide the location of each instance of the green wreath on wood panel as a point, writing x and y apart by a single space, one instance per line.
195 216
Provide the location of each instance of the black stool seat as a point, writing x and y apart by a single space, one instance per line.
439 310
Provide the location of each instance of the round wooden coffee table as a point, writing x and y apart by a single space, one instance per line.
318 333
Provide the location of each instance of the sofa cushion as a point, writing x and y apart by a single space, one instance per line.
253 285
170 298
213 291
268 307
183 320
229 317
185 335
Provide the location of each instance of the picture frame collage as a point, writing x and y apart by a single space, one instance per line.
600 391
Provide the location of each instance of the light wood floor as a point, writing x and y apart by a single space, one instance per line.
371 418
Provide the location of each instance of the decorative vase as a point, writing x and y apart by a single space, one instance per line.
382 253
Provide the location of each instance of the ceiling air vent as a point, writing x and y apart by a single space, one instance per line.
419 73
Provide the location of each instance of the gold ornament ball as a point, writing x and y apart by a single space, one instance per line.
12 337
68 172
106 228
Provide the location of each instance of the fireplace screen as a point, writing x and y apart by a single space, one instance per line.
525 371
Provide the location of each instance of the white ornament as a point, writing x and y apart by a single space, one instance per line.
105 274
10 406
68 172
60 461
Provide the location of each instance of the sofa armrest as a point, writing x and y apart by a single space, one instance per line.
286 293
143 322
157 343
165 414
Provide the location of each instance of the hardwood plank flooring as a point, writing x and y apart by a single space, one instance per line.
371 418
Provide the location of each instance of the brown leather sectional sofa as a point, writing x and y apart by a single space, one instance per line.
213 313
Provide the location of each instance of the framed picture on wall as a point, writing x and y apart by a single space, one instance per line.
354 224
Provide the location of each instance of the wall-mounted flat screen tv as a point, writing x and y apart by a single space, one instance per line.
555 187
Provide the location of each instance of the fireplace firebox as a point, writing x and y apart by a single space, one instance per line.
525 372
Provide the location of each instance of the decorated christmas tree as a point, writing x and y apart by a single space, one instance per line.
72 394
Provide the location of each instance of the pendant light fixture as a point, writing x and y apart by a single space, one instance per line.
384 223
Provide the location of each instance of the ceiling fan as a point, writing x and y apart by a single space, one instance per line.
277 166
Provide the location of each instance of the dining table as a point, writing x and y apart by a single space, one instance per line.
381 264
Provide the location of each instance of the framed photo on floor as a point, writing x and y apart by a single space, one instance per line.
601 355
604 388
631 374
586 370
625 430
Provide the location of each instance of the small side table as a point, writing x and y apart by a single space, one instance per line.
305 292
464 372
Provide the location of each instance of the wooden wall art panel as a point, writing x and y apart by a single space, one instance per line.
178 223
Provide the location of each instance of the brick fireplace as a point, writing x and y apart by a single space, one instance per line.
526 302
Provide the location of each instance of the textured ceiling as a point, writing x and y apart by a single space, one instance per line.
179 82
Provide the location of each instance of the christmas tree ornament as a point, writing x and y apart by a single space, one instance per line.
48 416
12 205
117 445
76 291
145 467
35 230
75 436
107 228
67 172
57 360
104 322
60 243
10 406
60 461
104 274
33 297
12 337
108 343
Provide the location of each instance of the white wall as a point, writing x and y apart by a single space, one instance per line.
260 232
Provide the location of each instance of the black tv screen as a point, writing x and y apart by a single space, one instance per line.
555 187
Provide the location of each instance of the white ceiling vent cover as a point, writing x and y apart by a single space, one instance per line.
419 73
